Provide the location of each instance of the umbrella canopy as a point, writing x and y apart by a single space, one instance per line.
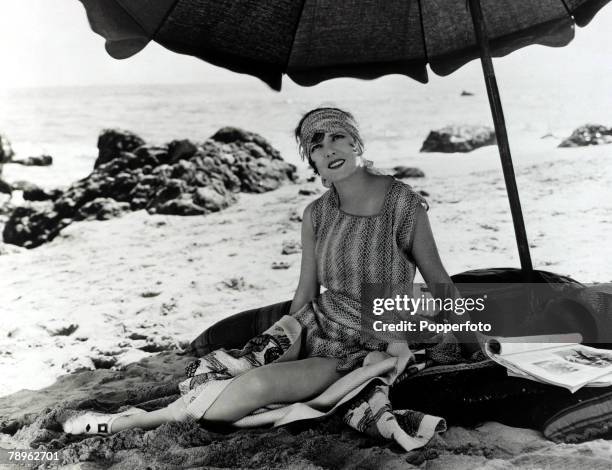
312 41
315 40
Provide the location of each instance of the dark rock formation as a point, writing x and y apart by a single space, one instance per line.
180 178
6 151
458 139
291 247
280 265
30 227
33 192
113 141
589 134
407 172
102 208
40 160
308 191
5 188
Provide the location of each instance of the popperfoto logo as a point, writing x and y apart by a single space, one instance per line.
418 312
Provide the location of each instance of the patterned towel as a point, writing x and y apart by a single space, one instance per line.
362 395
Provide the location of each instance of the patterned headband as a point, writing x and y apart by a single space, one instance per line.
327 120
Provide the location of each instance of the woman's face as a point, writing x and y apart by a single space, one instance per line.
334 155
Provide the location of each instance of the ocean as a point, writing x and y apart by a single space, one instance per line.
395 114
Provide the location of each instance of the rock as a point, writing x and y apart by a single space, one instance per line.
280 265
291 247
308 191
295 216
407 172
589 134
180 207
180 178
102 208
5 188
6 151
467 93
41 160
113 141
181 149
30 227
228 135
458 139
212 200
137 336
32 192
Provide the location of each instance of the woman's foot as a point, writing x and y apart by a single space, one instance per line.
92 422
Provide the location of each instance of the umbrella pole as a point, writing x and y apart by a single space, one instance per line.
502 135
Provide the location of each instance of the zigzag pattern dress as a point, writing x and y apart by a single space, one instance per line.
351 250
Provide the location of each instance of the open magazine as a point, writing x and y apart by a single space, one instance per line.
554 359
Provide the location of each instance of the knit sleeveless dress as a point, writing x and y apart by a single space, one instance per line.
351 250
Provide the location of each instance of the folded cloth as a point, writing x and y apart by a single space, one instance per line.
362 395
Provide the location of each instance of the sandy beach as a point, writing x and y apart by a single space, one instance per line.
99 315
106 294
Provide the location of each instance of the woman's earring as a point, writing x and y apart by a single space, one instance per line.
327 183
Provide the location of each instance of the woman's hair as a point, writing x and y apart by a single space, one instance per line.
318 136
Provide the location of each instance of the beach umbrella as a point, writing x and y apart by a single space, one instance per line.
315 40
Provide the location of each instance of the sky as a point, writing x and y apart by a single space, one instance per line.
49 43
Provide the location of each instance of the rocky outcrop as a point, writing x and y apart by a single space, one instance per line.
458 139
5 188
6 151
179 178
407 172
40 160
33 192
589 134
112 142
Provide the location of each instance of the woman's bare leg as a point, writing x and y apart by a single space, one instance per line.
282 382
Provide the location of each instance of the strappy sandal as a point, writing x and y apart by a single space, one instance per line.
92 422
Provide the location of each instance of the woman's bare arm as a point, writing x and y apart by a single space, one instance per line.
425 253
308 285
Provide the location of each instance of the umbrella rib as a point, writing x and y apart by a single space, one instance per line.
423 31
159 26
297 25
569 12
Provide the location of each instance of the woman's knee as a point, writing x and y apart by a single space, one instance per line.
177 410
258 384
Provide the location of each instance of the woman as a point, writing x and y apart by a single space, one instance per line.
368 228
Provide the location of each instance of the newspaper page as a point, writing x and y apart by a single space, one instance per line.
567 364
